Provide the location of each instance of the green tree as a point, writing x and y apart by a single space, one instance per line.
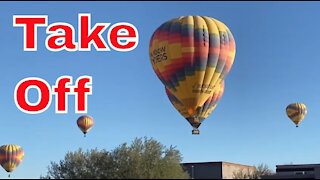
144 158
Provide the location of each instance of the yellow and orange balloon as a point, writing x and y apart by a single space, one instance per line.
10 157
296 112
191 55
85 124
202 112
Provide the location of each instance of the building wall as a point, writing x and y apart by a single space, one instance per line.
215 170
317 173
204 170
228 169
301 171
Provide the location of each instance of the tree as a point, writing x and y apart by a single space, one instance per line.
144 158
242 174
260 170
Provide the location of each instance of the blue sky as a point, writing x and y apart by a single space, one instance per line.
276 64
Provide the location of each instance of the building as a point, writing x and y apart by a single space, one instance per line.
299 171
215 170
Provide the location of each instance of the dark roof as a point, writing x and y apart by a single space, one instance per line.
217 162
298 166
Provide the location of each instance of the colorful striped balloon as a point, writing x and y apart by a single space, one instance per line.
296 112
85 123
191 55
11 156
202 112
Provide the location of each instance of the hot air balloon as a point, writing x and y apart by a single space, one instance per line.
202 112
85 123
296 112
10 157
191 55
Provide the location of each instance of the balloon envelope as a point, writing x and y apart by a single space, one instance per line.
11 156
296 112
85 123
201 112
191 55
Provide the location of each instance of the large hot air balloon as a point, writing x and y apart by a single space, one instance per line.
85 123
191 55
11 156
202 112
296 112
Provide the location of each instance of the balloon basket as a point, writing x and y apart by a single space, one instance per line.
195 132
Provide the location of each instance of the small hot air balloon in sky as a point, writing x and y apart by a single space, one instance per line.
296 112
85 123
191 55
10 157
202 112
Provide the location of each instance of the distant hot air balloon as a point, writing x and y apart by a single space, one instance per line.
296 112
191 55
85 123
201 112
10 157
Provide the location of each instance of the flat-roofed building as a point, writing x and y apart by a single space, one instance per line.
215 170
298 171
